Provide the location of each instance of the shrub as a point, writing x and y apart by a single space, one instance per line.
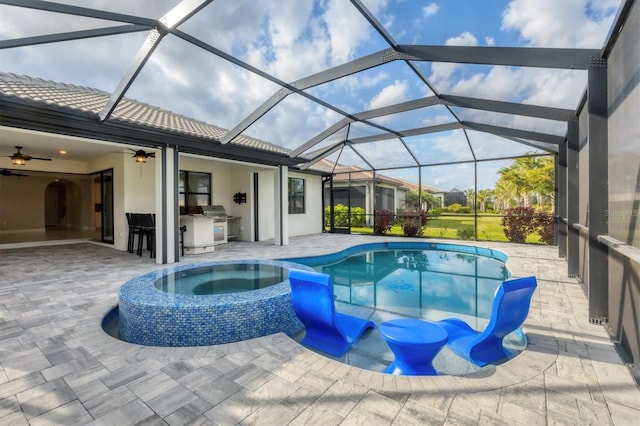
545 226
465 233
464 210
435 212
454 208
518 223
413 222
340 215
383 221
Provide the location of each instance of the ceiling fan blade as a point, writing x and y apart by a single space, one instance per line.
6 172
39 158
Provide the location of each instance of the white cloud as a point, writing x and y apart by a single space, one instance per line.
392 94
566 23
441 72
430 10
464 39
490 41
346 28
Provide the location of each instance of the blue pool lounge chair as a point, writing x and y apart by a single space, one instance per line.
509 311
313 302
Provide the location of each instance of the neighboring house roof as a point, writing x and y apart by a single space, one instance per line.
343 173
90 101
412 186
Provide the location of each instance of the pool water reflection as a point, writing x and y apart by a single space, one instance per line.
430 281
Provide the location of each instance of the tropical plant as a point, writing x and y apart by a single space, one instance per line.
415 199
383 221
341 216
518 223
454 208
484 198
527 178
413 222
470 194
545 226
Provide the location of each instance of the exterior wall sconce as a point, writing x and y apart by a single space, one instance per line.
240 197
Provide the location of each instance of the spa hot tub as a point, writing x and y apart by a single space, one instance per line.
208 303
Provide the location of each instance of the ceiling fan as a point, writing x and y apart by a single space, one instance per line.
20 159
6 172
141 156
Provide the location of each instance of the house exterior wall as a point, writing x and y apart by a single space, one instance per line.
624 183
311 221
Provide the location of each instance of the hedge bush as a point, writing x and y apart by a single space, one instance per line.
341 215
520 222
413 222
383 221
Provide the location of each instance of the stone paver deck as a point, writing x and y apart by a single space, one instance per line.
57 366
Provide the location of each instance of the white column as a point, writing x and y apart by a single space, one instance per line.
166 202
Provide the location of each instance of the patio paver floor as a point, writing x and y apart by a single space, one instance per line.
57 366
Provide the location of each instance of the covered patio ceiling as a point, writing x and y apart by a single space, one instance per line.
377 84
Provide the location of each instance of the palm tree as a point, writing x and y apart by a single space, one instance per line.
470 194
484 196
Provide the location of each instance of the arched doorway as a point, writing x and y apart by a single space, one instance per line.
62 206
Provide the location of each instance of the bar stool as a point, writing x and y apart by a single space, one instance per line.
147 228
133 231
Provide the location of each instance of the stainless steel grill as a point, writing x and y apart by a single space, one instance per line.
217 213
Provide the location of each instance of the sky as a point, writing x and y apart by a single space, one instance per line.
291 39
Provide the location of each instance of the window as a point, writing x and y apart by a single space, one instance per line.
195 191
384 199
296 195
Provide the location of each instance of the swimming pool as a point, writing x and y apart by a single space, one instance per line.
415 279
431 281
378 281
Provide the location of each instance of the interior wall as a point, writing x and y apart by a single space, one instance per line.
23 207
624 183
140 186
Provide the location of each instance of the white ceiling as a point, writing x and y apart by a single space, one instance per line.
45 145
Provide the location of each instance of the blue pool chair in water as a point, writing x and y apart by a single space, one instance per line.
313 302
509 311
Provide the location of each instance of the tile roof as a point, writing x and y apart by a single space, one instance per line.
90 101
356 173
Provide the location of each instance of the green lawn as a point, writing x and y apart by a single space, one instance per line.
458 227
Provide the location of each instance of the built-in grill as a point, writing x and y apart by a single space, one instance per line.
219 216
217 213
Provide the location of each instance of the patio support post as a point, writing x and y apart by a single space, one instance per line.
573 198
166 206
598 190
561 199
176 204
282 206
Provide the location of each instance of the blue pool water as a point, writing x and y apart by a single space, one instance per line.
222 279
431 281
419 280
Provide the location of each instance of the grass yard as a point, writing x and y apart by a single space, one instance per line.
459 227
